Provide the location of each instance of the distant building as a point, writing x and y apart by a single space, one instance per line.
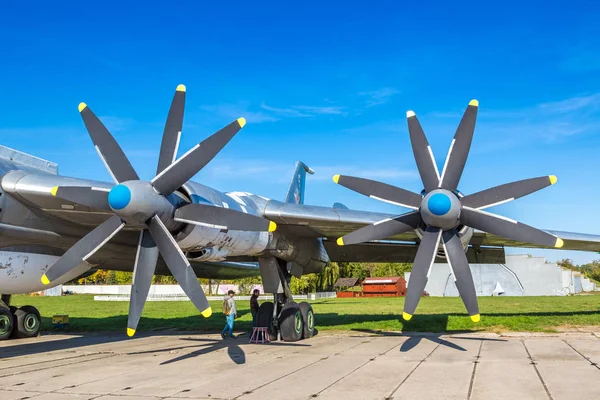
522 275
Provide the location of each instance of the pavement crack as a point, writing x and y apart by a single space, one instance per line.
474 370
79 361
537 371
582 355
412 371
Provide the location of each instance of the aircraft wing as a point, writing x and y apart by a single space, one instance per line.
331 223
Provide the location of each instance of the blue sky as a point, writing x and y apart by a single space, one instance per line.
327 83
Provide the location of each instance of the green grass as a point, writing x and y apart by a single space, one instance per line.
434 314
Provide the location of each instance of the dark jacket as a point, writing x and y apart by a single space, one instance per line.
254 303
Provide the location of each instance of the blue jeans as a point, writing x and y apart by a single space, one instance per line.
228 330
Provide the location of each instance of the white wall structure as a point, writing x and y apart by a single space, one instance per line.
522 275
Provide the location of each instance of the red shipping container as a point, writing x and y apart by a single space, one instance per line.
384 287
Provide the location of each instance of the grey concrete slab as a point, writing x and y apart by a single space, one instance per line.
567 380
589 348
551 349
375 380
501 379
329 366
434 380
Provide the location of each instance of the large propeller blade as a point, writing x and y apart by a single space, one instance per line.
507 228
507 192
84 248
222 218
141 205
423 153
194 160
420 272
380 191
107 147
457 259
172 132
459 149
179 265
84 195
143 271
382 229
442 210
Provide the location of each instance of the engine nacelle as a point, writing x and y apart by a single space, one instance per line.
211 244
20 272
304 255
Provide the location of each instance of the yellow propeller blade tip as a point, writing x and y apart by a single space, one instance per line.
180 88
130 332
340 241
474 103
559 243
406 316
81 106
410 114
336 178
553 179
45 280
207 313
241 121
272 226
54 190
476 318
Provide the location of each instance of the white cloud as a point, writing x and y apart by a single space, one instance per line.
285 112
304 111
233 111
329 110
380 96
546 122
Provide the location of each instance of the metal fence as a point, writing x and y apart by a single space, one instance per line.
177 297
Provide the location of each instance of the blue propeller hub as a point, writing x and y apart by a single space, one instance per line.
119 197
439 204
440 208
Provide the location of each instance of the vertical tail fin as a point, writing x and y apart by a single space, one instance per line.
295 193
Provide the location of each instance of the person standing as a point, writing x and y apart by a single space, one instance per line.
254 306
230 314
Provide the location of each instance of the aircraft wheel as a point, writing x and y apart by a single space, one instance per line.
27 322
291 324
308 316
7 323
264 317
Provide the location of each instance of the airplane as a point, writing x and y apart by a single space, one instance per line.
54 228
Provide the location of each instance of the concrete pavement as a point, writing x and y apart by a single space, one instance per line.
356 365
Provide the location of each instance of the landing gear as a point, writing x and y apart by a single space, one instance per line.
291 324
309 320
27 322
24 322
6 323
285 318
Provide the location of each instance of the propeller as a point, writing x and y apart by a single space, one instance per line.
145 206
441 212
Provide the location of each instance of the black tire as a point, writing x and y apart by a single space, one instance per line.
264 317
7 323
27 322
291 323
308 316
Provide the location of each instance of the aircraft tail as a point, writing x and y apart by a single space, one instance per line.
295 193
